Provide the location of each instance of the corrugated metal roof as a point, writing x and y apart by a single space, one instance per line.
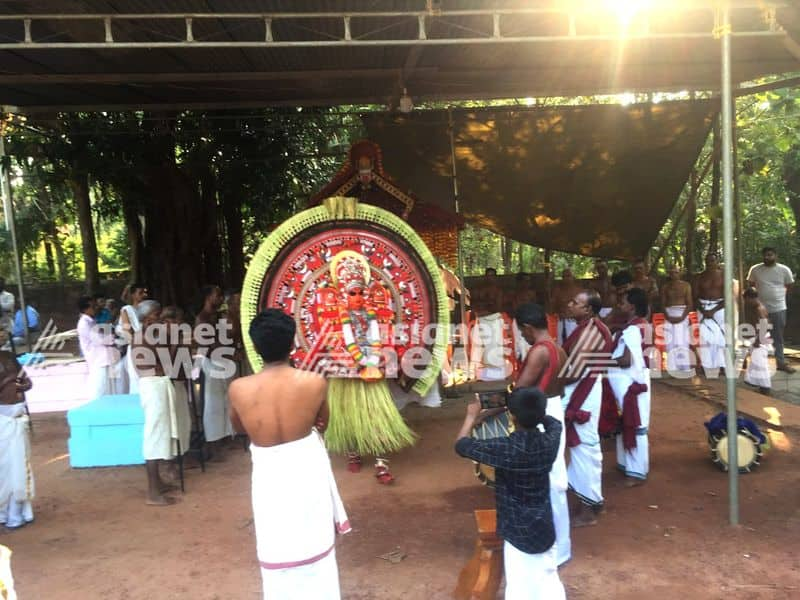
330 75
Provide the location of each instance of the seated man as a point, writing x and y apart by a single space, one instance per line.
16 477
522 463
278 409
19 325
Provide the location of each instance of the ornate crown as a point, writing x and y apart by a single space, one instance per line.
350 269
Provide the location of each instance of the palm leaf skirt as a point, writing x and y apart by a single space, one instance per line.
364 419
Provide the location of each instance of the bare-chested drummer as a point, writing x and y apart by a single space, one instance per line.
563 292
676 298
278 408
642 280
709 293
603 286
487 298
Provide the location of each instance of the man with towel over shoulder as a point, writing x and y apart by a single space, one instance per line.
283 410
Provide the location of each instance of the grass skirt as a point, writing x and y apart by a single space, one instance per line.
364 418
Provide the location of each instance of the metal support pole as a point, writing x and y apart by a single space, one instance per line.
8 209
464 329
728 250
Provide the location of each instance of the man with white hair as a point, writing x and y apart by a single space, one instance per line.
149 350
16 477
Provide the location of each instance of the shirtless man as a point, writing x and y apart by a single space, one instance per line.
487 298
540 368
676 298
148 350
643 281
16 475
603 286
709 294
523 292
278 408
563 293
216 419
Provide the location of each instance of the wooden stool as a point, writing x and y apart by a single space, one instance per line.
480 578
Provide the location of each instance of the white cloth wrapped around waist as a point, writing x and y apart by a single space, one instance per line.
711 329
16 478
157 396
296 504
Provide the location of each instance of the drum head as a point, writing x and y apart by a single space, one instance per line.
748 452
493 427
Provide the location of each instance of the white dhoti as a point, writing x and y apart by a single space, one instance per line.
118 378
99 382
183 416
295 530
16 475
6 579
712 336
758 372
565 328
634 462
216 407
133 375
677 338
402 398
585 471
558 487
157 396
488 349
531 576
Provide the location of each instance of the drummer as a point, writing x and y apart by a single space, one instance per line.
540 369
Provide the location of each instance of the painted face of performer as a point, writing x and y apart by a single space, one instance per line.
356 297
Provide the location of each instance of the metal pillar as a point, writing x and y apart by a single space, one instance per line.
728 250
8 209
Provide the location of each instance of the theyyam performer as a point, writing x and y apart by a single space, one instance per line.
369 304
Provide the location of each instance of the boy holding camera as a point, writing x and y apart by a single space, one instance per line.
522 463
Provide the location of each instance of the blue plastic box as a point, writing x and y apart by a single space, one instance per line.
106 432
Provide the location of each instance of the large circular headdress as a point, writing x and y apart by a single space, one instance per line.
297 268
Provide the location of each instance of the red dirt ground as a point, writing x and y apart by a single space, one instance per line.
94 537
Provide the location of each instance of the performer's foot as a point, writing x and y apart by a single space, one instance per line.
786 368
383 475
765 390
382 472
354 463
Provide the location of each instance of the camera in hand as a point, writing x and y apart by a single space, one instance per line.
494 399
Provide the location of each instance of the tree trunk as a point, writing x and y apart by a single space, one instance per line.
133 227
61 258
713 207
506 255
212 249
232 212
48 254
79 182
